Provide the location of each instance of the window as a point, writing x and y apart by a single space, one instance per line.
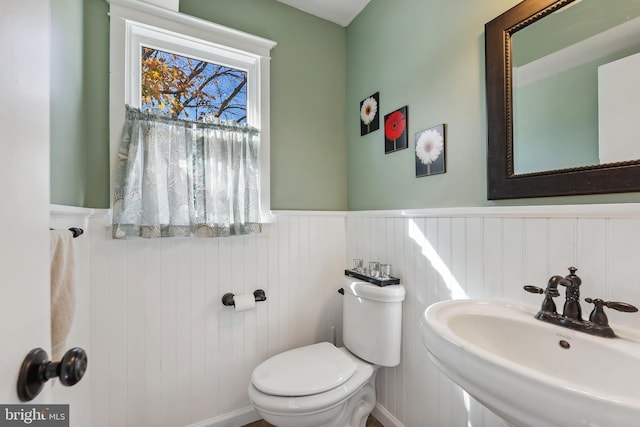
174 72
141 33
191 88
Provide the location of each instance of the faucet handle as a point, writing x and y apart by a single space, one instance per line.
533 289
598 315
620 306
548 305
552 292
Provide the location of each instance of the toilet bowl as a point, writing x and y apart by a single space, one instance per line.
320 385
344 400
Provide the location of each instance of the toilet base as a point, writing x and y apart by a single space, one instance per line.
352 412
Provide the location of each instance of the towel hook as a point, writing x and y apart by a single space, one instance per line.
75 231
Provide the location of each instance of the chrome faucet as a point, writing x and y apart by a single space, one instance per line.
571 317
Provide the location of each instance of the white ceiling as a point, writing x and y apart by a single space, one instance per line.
341 12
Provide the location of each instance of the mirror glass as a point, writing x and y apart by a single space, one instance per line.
576 87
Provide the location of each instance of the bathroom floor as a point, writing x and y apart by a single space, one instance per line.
371 422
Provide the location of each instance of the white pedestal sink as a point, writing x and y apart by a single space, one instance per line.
532 373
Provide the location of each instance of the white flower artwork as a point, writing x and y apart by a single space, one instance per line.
430 151
369 118
368 110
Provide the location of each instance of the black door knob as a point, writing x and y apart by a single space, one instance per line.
72 366
36 370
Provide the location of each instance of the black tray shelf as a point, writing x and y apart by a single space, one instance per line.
375 281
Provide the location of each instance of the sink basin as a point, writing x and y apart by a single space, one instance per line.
532 373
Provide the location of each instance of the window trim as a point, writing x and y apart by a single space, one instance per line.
133 22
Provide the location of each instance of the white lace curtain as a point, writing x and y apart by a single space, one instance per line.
181 178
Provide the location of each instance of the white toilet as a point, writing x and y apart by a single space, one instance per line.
321 385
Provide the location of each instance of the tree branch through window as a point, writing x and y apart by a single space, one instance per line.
189 88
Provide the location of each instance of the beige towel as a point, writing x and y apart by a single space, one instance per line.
63 293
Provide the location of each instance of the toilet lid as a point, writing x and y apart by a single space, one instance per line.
304 371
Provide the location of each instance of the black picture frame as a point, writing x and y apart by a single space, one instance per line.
396 125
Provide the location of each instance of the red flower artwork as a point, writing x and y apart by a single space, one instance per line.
395 130
394 126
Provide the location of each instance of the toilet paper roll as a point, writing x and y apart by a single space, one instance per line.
244 302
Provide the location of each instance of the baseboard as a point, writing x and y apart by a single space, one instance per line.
248 415
385 417
235 418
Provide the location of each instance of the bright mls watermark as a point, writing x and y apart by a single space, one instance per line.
34 415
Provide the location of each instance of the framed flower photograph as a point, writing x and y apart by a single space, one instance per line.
430 151
369 117
396 124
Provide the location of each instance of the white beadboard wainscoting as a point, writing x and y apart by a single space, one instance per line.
163 351
487 252
166 352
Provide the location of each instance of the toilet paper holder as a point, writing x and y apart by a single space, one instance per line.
258 294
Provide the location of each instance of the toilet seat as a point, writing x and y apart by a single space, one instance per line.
274 404
304 371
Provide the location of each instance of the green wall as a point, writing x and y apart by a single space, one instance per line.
80 103
425 54
429 56
67 130
308 98
96 102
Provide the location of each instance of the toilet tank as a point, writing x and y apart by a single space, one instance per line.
372 321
